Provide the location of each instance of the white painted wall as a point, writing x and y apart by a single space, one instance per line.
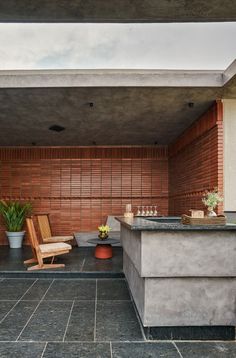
229 154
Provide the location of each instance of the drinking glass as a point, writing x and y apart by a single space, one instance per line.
139 211
143 211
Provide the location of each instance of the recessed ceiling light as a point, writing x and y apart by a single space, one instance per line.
56 128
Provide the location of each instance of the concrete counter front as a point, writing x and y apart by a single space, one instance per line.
182 278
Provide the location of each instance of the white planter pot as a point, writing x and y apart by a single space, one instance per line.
15 239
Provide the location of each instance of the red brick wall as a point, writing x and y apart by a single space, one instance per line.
196 162
80 186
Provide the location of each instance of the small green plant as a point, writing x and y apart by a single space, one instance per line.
212 198
14 214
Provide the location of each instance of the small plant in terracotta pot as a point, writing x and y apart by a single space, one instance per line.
211 199
103 231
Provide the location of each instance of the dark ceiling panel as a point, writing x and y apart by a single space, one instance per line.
117 10
119 116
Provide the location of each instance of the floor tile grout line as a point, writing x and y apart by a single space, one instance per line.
44 349
17 302
177 348
95 311
34 311
68 322
111 350
29 288
82 266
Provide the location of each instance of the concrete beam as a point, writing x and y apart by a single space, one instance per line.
110 78
117 11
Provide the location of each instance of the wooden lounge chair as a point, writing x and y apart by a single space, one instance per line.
40 252
46 233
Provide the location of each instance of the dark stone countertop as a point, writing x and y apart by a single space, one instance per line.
142 224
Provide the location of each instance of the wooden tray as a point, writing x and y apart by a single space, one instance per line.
215 220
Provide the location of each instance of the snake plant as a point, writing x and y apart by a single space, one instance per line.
14 214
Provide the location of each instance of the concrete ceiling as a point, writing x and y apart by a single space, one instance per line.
117 10
119 116
115 107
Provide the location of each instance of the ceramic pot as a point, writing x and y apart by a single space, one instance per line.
15 239
103 235
210 212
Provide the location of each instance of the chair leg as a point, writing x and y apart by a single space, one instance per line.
30 261
45 266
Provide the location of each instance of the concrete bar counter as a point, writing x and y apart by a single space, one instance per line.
182 278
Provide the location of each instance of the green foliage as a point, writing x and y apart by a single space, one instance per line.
212 198
14 214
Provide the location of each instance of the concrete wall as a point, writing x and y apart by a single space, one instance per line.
229 112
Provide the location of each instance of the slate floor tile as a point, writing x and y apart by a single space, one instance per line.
81 324
21 350
13 289
141 350
112 290
117 321
77 350
48 323
72 290
5 307
207 349
36 292
13 324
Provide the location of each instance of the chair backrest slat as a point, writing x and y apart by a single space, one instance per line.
44 226
32 233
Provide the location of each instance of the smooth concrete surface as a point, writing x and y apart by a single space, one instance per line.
182 278
133 103
229 122
117 11
190 301
113 78
176 254
129 116
136 284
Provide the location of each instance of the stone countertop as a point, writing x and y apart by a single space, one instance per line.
142 224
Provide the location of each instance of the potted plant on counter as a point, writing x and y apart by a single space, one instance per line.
211 199
14 215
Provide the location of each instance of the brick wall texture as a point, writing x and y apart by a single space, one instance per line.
80 186
196 162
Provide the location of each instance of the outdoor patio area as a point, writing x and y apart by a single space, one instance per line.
83 318
79 263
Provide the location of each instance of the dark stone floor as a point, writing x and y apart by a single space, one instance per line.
86 318
55 314
80 262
